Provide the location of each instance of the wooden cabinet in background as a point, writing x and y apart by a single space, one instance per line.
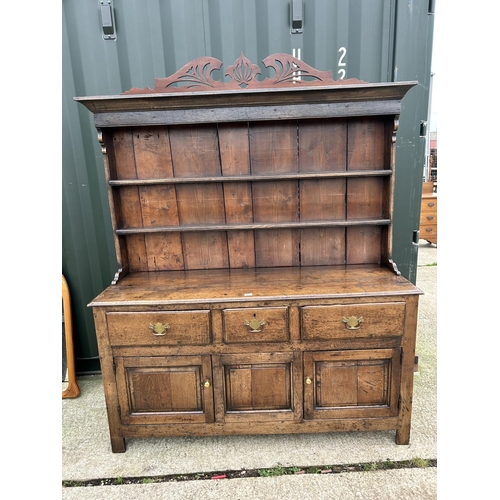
256 292
428 214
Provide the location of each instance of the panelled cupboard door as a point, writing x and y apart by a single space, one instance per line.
258 387
165 389
351 384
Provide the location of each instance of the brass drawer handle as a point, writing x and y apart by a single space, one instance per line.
255 325
429 229
430 204
159 329
353 323
430 217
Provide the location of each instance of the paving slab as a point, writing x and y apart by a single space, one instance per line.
407 484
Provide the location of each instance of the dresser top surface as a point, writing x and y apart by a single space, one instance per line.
256 284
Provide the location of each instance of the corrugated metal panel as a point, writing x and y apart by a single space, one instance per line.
412 61
364 29
157 37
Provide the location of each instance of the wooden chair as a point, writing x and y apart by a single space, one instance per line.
72 391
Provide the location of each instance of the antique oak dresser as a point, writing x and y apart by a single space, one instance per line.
255 291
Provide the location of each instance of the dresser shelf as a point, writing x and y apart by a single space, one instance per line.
250 178
247 227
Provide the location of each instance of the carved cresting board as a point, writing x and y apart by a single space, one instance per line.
289 71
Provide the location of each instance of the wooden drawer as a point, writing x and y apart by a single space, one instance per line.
262 324
428 217
159 328
353 321
428 213
429 232
429 202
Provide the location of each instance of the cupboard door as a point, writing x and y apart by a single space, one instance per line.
351 384
162 390
258 387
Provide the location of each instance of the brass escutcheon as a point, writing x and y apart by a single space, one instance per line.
352 323
255 325
159 329
308 381
207 383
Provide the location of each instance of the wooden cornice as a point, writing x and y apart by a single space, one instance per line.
294 83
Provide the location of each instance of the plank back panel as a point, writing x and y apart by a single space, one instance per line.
273 149
364 198
366 145
235 160
234 149
158 203
366 150
322 148
130 214
195 153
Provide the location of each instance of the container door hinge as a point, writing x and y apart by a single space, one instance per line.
107 16
416 236
423 128
296 16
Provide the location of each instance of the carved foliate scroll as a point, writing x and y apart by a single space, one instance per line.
243 72
197 75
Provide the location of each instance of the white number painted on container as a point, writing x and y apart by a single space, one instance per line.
341 62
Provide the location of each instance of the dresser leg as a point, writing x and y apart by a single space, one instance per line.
403 436
118 445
